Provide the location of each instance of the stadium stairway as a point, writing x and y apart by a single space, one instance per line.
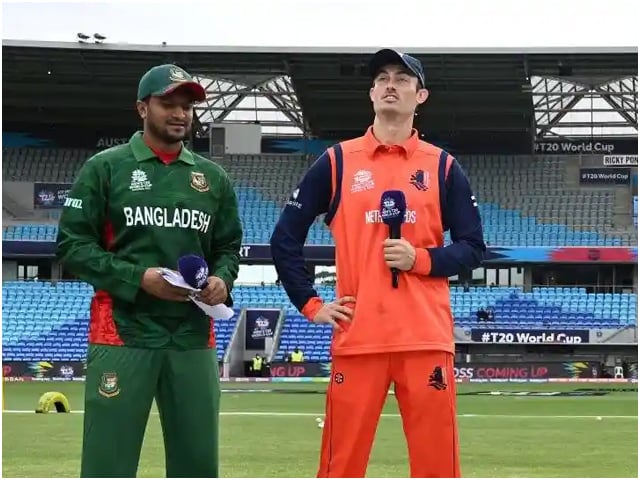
45 321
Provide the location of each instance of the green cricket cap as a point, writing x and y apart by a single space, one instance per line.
165 79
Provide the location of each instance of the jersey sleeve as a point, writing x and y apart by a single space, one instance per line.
310 199
462 218
224 261
81 244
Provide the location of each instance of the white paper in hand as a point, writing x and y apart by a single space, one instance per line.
175 279
218 312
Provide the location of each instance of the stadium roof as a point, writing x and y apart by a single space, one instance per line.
497 95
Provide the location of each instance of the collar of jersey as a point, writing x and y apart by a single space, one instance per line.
142 152
373 145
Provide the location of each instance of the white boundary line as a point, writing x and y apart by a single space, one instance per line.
393 415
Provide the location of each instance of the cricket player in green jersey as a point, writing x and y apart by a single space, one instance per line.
134 208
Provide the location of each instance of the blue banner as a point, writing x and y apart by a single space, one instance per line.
50 195
260 324
325 254
526 336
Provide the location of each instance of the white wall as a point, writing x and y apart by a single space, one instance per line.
254 274
241 138
9 270
19 192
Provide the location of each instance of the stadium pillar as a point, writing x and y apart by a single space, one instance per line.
56 270
527 279
311 268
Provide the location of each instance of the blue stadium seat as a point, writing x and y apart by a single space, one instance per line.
542 307
58 328
502 226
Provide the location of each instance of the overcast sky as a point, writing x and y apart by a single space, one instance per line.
351 23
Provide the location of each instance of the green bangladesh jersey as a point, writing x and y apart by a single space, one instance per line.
128 211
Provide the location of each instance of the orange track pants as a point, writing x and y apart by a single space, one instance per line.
425 390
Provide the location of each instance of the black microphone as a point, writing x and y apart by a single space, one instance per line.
393 206
194 270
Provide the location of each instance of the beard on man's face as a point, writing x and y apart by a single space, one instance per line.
168 133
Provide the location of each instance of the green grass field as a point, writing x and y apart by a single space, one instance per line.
500 436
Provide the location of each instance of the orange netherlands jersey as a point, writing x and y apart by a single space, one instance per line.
347 183
416 315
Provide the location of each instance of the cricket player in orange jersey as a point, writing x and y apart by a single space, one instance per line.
383 334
